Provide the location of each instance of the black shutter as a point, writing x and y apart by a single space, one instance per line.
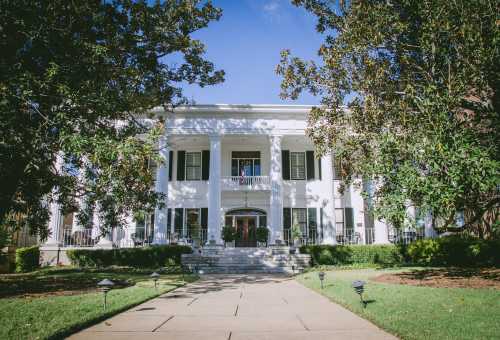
169 219
204 218
287 218
205 165
321 222
181 160
170 164
319 168
310 164
349 218
178 218
285 164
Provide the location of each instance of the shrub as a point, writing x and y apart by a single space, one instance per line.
455 251
228 234
353 254
147 257
27 259
262 234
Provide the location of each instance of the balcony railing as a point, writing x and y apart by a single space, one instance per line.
246 183
79 238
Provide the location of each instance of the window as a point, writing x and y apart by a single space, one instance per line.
298 165
337 168
192 221
246 163
193 166
299 217
339 220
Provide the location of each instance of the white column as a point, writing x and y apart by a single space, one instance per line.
214 190
56 218
161 185
276 199
329 202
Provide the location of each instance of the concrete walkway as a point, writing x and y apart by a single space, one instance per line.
237 307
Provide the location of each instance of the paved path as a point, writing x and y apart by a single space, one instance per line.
237 307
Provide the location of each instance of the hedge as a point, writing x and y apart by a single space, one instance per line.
27 259
353 254
454 251
446 251
144 257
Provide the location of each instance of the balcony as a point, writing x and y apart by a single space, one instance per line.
246 183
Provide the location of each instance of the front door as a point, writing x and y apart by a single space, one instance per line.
245 231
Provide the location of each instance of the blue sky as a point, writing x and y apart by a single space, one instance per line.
246 43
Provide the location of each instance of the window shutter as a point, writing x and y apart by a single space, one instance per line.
204 218
287 218
205 165
169 219
181 160
310 164
285 164
170 164
319 168
349 218
312 221
321 223
178 219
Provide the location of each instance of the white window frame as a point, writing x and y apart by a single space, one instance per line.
295 176
198 175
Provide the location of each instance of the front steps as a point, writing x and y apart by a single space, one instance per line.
219 260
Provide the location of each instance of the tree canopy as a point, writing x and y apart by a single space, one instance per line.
410 99
74 77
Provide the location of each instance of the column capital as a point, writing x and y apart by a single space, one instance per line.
214 137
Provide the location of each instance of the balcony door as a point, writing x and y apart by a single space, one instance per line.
245 163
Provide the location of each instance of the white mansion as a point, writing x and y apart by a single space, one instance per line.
243 166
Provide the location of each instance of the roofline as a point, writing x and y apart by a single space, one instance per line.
239 108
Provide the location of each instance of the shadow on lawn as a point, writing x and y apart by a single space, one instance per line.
67 281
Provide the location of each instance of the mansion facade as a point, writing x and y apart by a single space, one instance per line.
243 166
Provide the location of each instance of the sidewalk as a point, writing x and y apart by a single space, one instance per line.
237 307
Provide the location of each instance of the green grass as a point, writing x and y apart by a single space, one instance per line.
412 312
55 317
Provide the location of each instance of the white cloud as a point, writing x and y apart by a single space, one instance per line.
271 6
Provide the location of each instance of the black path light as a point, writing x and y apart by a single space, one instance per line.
359 287
105 286
321 276
155 276
293 269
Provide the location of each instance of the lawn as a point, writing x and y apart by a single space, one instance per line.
51 304
413 312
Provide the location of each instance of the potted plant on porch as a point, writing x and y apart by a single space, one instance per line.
228 235
196 235
262 235
296 235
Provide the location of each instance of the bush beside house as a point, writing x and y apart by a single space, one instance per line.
27 259
446 251
147 257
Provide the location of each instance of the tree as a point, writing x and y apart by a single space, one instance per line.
410 99
74 76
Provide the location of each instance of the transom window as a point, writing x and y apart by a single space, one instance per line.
246 163
193 166
298 165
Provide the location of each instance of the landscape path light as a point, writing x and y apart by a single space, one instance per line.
321 276
105 286
155 276
359 287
